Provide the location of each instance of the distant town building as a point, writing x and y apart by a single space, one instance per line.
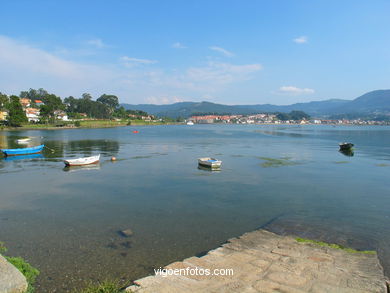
32 114
38 103
61 115
25 102
3 115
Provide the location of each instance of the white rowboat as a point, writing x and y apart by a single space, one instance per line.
24 140
82 161
210 162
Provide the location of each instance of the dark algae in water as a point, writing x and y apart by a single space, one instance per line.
277 162
333 245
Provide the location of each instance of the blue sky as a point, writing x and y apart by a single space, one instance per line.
232 52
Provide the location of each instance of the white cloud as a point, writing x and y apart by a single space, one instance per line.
23 66
301 40
222 50
178 45
163 100
222 73
128 61
211 78
98 43
292 90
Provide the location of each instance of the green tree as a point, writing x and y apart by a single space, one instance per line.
70 104
299 115
16 115
4 100
283 116
111 101
87 96
34 94
293 115
51 104
121 113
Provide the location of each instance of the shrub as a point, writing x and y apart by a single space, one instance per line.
103 287
26 269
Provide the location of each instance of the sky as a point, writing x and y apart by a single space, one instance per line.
231 52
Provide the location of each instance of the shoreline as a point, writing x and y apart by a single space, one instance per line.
51 127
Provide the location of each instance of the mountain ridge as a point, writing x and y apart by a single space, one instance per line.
374 102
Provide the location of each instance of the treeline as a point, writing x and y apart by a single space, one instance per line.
293 115
361 116
104 107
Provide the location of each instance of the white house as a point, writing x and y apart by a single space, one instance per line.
32 114
61 115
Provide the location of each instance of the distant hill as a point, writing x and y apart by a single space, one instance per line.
372 102
375 102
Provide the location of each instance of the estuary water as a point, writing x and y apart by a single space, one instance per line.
288 179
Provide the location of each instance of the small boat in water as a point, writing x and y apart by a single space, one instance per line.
82 168
190 123
208 169
210 162
345 146
23 140
82 161
23 151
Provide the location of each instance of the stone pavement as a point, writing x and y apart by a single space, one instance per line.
265 262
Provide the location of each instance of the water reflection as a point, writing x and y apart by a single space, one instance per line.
348 152
24 157
18 141
59 149
23 141
81 168
279 133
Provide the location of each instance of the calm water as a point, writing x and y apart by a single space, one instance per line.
66 222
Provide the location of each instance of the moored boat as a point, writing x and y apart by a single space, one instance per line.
23 151
345 146
82 161
23 140
210 162
82 168
190 123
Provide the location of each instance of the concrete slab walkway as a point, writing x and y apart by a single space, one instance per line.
265 262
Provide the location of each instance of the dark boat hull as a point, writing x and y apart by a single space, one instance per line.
346 146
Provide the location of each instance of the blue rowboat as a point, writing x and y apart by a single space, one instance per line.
23 151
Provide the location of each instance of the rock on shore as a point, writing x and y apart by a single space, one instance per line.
11 279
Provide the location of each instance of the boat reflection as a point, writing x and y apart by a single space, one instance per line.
24 157
81 168
347 152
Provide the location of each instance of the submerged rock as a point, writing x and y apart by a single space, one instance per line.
126 233
126 244
11 279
